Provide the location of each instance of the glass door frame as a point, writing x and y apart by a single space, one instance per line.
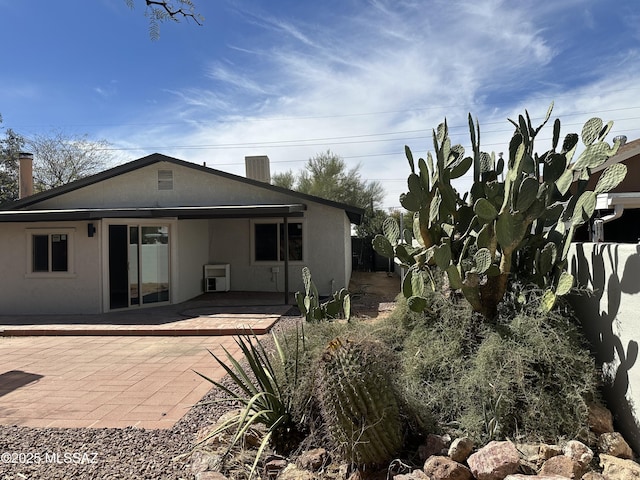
171 226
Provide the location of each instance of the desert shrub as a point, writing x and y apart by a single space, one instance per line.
526 375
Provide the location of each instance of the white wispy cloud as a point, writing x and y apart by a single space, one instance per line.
393 67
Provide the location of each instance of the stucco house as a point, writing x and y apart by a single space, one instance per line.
159 230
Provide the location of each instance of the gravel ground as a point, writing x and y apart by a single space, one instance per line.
105 453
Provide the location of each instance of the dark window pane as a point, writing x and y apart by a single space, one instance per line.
41 253
58 253
266 242
295 241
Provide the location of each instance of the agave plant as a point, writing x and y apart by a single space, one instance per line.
260 392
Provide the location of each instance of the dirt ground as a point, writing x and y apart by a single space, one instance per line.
373 293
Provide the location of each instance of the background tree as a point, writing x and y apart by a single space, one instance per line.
10 147
326 175
59 158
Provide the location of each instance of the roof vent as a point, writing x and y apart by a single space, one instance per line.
621 138
165 179
258 168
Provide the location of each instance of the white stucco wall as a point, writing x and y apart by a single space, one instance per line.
24 293
611 320
192 252
139 188
194 243
326 236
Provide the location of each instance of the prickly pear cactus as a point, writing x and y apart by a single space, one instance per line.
338 305
516 222
358 402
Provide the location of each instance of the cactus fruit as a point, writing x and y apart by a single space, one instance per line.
517 228
358 402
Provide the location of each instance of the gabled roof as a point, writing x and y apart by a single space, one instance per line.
353 213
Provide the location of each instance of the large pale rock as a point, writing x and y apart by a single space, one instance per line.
438 467
579 452
460 449
434 445
613 443
614 468
562 466
494 461
600 419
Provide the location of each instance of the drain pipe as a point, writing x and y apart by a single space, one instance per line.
598 224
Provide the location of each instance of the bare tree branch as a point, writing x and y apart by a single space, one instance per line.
173 12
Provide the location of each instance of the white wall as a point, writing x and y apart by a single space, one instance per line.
24 293
192 253
327 248
611 319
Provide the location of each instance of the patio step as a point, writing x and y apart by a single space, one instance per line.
203 325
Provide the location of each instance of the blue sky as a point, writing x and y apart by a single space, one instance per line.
292 79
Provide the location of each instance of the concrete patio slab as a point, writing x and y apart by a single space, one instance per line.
227 313
115 381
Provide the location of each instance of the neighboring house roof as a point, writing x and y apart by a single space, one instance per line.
10 211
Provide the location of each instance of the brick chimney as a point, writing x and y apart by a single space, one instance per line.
25 174
257 168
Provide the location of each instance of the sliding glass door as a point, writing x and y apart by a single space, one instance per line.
138 265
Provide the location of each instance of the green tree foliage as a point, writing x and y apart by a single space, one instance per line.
10 147
326 175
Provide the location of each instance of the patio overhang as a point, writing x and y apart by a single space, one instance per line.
185 212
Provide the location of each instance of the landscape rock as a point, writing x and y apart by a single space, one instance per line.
273 466
292 472
210 476
434 445
202 461
614 468
545 452
529 452
313 460
600 419
593 476
563 466
579 452
520 476
415 475
529 458
613 443
494 461
438 467
460 449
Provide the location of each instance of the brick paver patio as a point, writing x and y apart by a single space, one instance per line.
105 381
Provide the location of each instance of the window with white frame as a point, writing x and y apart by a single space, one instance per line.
49 251
269 241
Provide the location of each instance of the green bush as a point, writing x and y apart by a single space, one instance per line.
527 375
